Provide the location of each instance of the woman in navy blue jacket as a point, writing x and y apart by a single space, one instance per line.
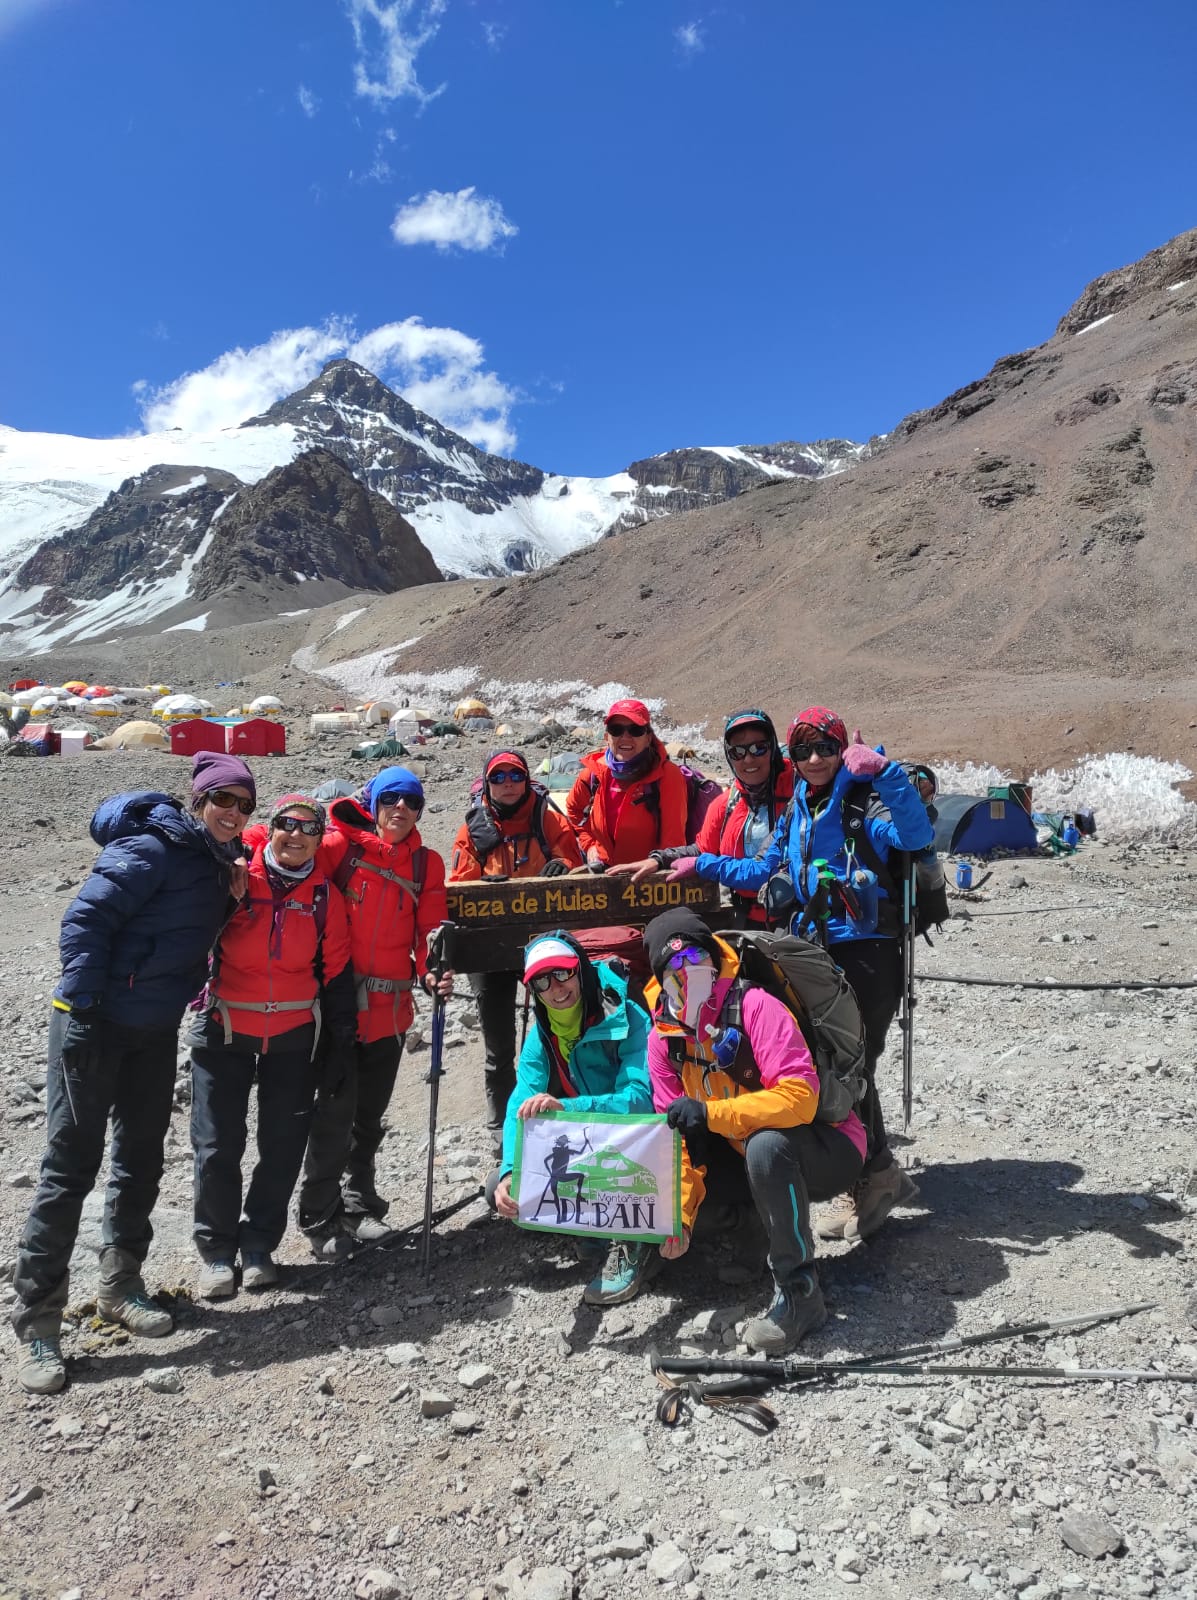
851 808
134 945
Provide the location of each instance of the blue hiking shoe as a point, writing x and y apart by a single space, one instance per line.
794 1312
627 1269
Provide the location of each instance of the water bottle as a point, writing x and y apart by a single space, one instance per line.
964 875
724 1046
1070 835
864 886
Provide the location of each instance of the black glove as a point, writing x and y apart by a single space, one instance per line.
82 1050
554 868
689 1117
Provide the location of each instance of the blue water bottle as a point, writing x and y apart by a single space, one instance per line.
864 886
724 1046
964 875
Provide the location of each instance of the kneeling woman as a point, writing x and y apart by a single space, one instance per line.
760 1106
587 1052
281 963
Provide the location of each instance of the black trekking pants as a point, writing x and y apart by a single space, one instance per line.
496 994
133 1082
786 1169
222 1080
345 1135
874 969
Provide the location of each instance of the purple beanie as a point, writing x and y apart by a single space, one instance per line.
212 769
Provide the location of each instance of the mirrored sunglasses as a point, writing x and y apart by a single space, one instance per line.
543 981
758 747
223 800
506 775
392 797
308 826
636 730
821 747
691 956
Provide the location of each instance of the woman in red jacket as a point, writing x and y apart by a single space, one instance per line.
280 974
394 889
742 822
510 831
629 797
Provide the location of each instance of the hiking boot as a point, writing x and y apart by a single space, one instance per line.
362 1228
793 1314
258 1270
40 1369
217 1280
132 1307
590 1252
627 1269
834 1218
874 1197
327 1244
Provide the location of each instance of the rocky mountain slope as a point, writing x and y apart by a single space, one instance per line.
1024 549
96 534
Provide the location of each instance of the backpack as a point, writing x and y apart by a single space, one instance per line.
819 998
354 857
485 834
701 794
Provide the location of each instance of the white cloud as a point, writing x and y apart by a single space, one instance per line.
439 370
308 103
389 35
494 33
690 38
466 219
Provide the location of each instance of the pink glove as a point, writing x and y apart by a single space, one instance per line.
862 762
684 867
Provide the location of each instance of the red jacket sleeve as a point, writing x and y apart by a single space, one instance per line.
710 835
577 807
560 837
674 805
465 867
335 946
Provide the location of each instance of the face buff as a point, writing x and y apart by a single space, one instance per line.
566 1026
687 989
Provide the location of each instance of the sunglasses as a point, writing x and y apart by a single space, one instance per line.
544 981
506 776
636 730
308 826
691 956
224 801
758 747
821 747
392 797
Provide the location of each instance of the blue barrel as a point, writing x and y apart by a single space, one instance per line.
964 875
1070 835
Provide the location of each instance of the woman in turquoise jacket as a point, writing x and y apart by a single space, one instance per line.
588 1051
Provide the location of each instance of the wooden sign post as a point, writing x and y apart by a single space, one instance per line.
494 921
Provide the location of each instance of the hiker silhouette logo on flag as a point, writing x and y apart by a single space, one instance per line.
615 1176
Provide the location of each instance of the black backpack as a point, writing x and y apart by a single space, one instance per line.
484 831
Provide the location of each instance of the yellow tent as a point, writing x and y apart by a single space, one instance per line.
469 708
135 736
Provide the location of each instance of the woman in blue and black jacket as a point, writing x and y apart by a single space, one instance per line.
852 808
134 946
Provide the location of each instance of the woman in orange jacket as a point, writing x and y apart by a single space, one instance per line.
394 888
510 831
280 976
629 797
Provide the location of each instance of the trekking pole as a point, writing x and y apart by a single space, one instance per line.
527 1008
909 919
436 965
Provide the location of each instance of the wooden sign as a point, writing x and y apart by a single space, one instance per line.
494 921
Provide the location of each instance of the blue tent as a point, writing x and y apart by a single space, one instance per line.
968 825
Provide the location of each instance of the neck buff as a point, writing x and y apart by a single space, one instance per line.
288 875
566 1026
505 813
687 990
626 771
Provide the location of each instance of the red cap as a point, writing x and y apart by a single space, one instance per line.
822 721
633 710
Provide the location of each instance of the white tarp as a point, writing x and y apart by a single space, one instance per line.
618 1177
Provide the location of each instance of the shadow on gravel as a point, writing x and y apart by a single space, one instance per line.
908 1282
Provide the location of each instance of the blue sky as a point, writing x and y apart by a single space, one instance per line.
581 231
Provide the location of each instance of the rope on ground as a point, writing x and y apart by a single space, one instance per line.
1046 983
1025 911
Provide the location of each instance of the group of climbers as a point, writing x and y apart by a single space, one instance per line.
317 940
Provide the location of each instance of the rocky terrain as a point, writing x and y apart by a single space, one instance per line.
481 1436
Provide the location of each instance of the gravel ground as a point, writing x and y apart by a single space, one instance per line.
279 1444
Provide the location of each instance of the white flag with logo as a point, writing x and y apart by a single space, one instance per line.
618 1177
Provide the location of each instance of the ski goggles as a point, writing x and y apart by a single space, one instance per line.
392 797
758 747
308 826
691 956
632 730
507 775
544 981
225 800
820 747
